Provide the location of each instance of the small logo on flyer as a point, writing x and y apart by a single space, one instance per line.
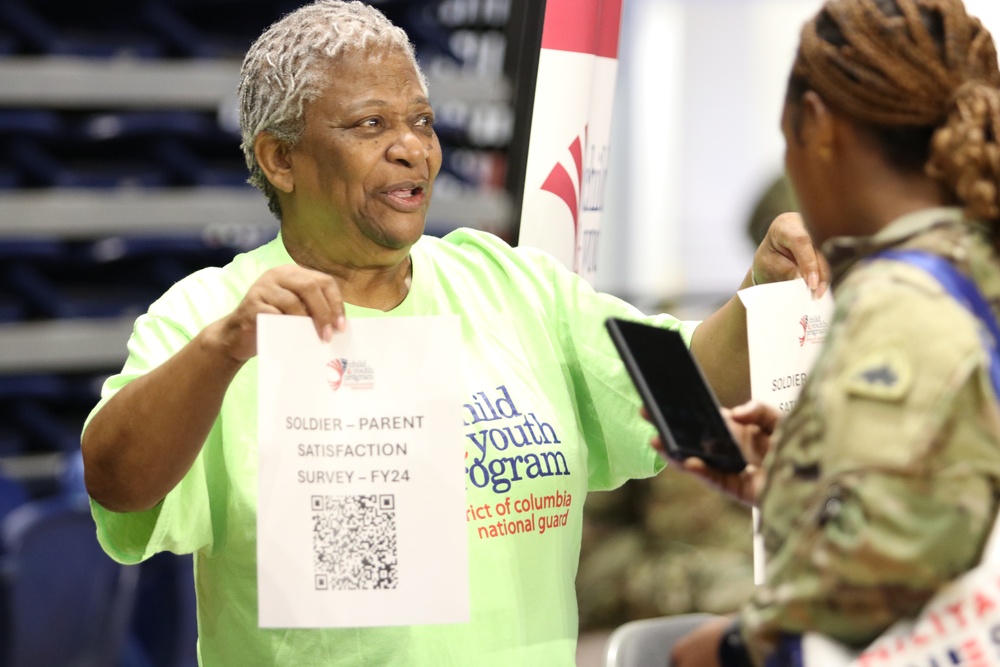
814 329
356 374
335 372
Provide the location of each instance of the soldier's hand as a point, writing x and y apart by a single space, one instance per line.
700 647
751 425
787 252
289 290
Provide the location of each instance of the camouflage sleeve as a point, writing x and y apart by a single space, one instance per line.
883 480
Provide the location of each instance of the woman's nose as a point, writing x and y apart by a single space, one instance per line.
409 148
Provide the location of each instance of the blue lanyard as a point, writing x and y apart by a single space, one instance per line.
964 290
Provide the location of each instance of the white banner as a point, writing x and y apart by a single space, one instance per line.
568 152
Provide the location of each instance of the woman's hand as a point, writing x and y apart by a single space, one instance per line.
751 425
288 290
720 341
787 252
141 444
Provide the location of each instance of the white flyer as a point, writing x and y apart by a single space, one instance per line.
786 328
361 488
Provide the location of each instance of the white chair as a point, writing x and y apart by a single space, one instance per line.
647 642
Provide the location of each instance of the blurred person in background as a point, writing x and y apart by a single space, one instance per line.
881 485
776 199
339 134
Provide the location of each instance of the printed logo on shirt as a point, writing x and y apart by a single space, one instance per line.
509 445
520 514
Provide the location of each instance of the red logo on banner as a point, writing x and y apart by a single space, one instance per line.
560 183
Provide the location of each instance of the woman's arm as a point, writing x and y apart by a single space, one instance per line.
142 442
720 342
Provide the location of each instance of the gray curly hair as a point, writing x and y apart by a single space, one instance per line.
282 70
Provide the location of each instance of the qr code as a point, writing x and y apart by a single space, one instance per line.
354 542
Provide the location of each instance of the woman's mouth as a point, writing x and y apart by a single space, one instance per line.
406 199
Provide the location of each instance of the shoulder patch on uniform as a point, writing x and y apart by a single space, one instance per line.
884 374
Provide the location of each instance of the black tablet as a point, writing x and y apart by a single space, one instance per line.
676 394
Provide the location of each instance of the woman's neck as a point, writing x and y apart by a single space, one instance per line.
893 198
380 286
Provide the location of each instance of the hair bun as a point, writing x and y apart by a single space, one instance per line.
965 152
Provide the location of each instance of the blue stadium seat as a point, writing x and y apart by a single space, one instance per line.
108 277
211 28
20 387
66 601
205 164
99 28
30 28
113 248
180 34
13 494
23 134
13 442
51 429
135 138
57 164
88 291
129 124
10 177
9 43
43 413
43 123
70 481
33 248
421 23
164 631
11 307
189 146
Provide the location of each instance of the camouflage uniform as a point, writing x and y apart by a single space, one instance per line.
662 546
883 481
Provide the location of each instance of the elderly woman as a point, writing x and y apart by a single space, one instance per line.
339 134
882 483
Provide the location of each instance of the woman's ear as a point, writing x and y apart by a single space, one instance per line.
272 156
818 126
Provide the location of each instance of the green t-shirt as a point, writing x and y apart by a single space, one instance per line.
549 412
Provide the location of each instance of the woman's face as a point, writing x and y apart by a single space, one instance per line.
365 165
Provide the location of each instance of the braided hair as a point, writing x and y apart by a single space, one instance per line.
922 76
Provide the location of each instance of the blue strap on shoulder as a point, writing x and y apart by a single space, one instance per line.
962 289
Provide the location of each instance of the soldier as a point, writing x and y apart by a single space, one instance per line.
882 484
